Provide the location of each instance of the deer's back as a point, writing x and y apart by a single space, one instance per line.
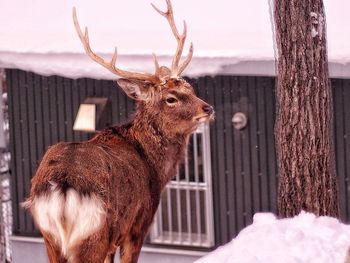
92 168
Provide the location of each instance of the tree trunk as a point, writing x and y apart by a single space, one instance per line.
304 123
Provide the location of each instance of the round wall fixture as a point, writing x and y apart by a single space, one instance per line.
239 120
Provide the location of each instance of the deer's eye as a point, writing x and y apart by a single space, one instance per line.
171 100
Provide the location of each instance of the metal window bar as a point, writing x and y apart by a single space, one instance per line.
185 213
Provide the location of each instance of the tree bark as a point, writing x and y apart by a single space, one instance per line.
304 121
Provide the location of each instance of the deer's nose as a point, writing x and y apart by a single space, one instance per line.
208 109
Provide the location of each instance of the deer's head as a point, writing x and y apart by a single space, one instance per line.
164 97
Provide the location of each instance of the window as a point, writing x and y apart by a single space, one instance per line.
185 213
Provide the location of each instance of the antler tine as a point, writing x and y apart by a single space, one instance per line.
169 15
110 65
156 64
187 60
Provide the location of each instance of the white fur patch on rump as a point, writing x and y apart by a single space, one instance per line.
68 218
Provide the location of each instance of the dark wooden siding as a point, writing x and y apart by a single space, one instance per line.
341 98
243 162
42 111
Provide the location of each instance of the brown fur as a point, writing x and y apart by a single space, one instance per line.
125 166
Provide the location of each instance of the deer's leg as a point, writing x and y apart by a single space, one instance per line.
109 258
91 252
53 251
130 249
94 249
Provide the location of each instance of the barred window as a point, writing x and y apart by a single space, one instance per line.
185 213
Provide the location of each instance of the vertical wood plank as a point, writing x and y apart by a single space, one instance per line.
229 157
253 128
246 154
46 112
339 141
270 149
238 158
53 118
209 83
117 109
346 136
221 161
39 126
12 82
68 86
25 151
263 173
61 109
31 139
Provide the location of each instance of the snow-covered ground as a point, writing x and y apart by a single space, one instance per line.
302 239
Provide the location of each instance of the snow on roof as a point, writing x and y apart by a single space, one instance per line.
302 239
229 36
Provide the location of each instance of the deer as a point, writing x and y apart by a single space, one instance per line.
90 198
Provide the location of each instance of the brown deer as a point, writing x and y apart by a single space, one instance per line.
89 198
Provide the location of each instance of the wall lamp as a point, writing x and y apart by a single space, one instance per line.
94 114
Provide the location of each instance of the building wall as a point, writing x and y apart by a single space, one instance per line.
42 111
243 162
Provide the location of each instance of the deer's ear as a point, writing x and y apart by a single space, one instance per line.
135 89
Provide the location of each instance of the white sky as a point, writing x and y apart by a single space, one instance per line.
239 29
133 25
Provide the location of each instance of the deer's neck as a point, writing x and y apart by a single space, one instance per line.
163 151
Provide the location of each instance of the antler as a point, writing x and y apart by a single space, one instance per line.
161 73
110 65
176 70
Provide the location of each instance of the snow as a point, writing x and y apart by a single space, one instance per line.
313 14
302 239
39 35
314 32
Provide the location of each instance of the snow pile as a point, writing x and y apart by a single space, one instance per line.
304 238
